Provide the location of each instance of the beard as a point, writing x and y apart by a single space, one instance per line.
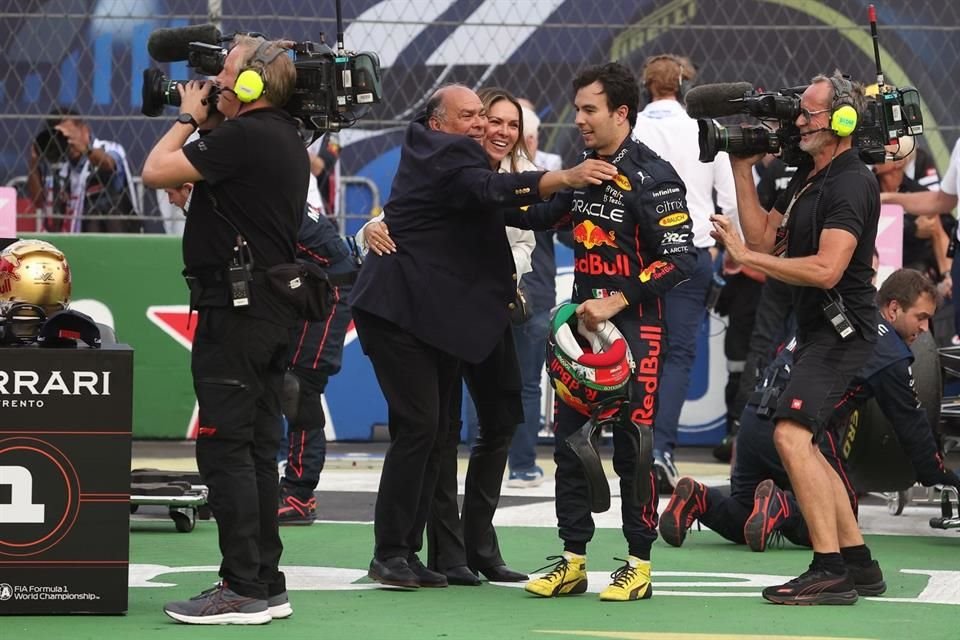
816 142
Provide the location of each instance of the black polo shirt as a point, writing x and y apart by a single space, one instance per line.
255 168
843 195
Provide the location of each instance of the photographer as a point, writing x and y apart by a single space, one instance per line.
94 190
827 223
250 175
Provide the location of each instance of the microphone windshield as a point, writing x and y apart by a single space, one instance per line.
172 45
717 100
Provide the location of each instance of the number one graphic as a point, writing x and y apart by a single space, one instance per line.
21 509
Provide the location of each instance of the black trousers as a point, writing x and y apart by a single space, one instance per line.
316 353
647 340
306 440
773 323
418 382
237 364
471 539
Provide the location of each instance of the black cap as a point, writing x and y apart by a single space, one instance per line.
65 328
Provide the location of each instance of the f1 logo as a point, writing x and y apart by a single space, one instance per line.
21 509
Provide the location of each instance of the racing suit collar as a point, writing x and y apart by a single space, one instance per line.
621 153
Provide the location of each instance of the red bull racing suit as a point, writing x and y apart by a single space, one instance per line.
633 236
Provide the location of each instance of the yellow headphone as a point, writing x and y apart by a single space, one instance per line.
844 117
249 85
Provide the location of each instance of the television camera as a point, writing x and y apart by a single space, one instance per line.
891 114
334 86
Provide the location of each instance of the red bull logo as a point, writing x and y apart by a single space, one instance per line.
594 265
8 274
590 235
648 376
655 271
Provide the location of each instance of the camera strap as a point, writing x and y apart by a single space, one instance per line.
780 245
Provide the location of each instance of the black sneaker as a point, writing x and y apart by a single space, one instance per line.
814 586
867 580
294 510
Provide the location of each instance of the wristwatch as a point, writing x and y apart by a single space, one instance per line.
187 118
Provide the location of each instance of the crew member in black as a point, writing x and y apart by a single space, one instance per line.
827 223
250 174
443 296
316 352
633 243
758 505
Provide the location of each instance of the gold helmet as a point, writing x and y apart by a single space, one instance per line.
34 283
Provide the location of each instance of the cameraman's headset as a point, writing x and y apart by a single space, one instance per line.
843 117
249 85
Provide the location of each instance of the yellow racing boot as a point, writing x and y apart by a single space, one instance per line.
568 577
630 582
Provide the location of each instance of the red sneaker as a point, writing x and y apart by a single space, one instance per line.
689 500
770 509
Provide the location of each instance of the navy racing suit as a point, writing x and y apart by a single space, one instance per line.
632 235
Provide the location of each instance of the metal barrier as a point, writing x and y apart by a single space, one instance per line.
147 201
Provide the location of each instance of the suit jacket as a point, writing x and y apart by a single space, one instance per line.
451 281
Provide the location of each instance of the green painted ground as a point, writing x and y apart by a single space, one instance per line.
332 604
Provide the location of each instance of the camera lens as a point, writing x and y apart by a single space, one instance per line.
736 140
158 92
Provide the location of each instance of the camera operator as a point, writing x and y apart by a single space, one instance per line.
827 222
758 507
250 175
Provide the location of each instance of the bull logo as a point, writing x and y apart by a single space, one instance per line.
590 235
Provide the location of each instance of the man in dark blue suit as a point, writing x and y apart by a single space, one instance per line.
442 297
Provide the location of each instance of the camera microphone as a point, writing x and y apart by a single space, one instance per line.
717 100
173 45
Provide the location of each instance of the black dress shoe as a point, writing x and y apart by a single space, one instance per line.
426 577
393 572
462 576
502 573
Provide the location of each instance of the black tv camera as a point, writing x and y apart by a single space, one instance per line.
893 113
334 87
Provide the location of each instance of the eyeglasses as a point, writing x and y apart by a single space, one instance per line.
808 115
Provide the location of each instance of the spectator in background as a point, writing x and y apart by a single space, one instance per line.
540 288
91 178
925 238
179 197
934 203
665 127
531 137
324 156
